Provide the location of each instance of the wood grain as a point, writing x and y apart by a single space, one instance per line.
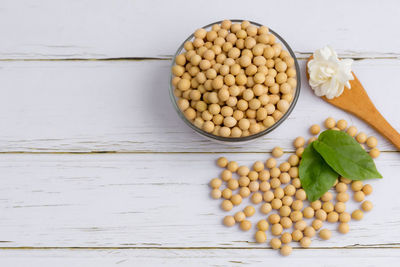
124 29
124 106
152 200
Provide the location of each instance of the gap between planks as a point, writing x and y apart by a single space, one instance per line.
299 56
151 152
351 247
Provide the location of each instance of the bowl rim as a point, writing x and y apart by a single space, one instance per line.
245 138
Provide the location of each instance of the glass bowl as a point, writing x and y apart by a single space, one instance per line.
236 140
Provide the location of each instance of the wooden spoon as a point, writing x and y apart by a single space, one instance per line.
357 102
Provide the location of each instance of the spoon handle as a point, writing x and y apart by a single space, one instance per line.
357 101
376 120
366 110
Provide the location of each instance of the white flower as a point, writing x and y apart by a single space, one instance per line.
328 74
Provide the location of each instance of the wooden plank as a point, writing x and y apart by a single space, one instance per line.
198 257
151 200
104 29
123 106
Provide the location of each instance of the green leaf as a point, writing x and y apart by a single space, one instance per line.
343 154
315 175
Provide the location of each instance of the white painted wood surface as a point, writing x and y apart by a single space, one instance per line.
151 200
123 28
197 257
147 204
124 106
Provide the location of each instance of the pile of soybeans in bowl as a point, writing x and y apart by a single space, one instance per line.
275 189
234 80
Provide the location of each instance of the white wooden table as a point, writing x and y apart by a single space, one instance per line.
97 169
